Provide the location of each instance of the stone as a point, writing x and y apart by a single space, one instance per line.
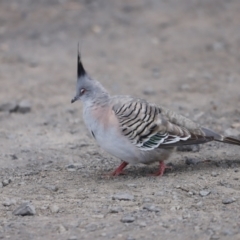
26 209
115 210
24 106
128 219
52 188
228 200
54 208
9 202
151 208
214 174
5 182
91 227
204 193
123 197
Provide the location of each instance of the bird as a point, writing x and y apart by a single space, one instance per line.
133 129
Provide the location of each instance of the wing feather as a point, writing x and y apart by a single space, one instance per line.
147 127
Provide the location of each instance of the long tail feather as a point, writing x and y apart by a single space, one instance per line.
231 140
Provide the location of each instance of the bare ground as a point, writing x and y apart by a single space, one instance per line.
181 54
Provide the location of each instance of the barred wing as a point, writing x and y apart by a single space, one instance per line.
145 125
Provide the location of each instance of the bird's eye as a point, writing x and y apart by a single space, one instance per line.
82 91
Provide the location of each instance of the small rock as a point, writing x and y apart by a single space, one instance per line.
189 148
91 227
24 106
8 107
214 174
123 196
54 208
9 202
191 161
228 200
5 182
26 209
128 219
72 238
151 208
115 210
73 167
1 185
204 193
52 188
61 229
142 224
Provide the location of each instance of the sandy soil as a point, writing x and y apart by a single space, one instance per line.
182 54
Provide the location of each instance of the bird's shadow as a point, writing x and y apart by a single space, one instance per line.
178 168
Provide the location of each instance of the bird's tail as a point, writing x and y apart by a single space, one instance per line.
231 140
220 138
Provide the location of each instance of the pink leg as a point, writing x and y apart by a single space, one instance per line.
161 170
119 169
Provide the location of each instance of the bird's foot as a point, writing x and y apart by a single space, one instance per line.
119 170
162 168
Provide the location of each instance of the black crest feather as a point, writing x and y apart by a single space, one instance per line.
80 69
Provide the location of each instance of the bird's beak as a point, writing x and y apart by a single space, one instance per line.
74 99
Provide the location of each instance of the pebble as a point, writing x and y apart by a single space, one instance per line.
5 182
72 238
73 166
24 106
142 224
54 208
151 208
115 210
61 229
204 193
8 107
214 174
123 196
228 200
26 209
91 227
9 202
52 188
1 185
128 219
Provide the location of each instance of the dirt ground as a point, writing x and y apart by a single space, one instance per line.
182 54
